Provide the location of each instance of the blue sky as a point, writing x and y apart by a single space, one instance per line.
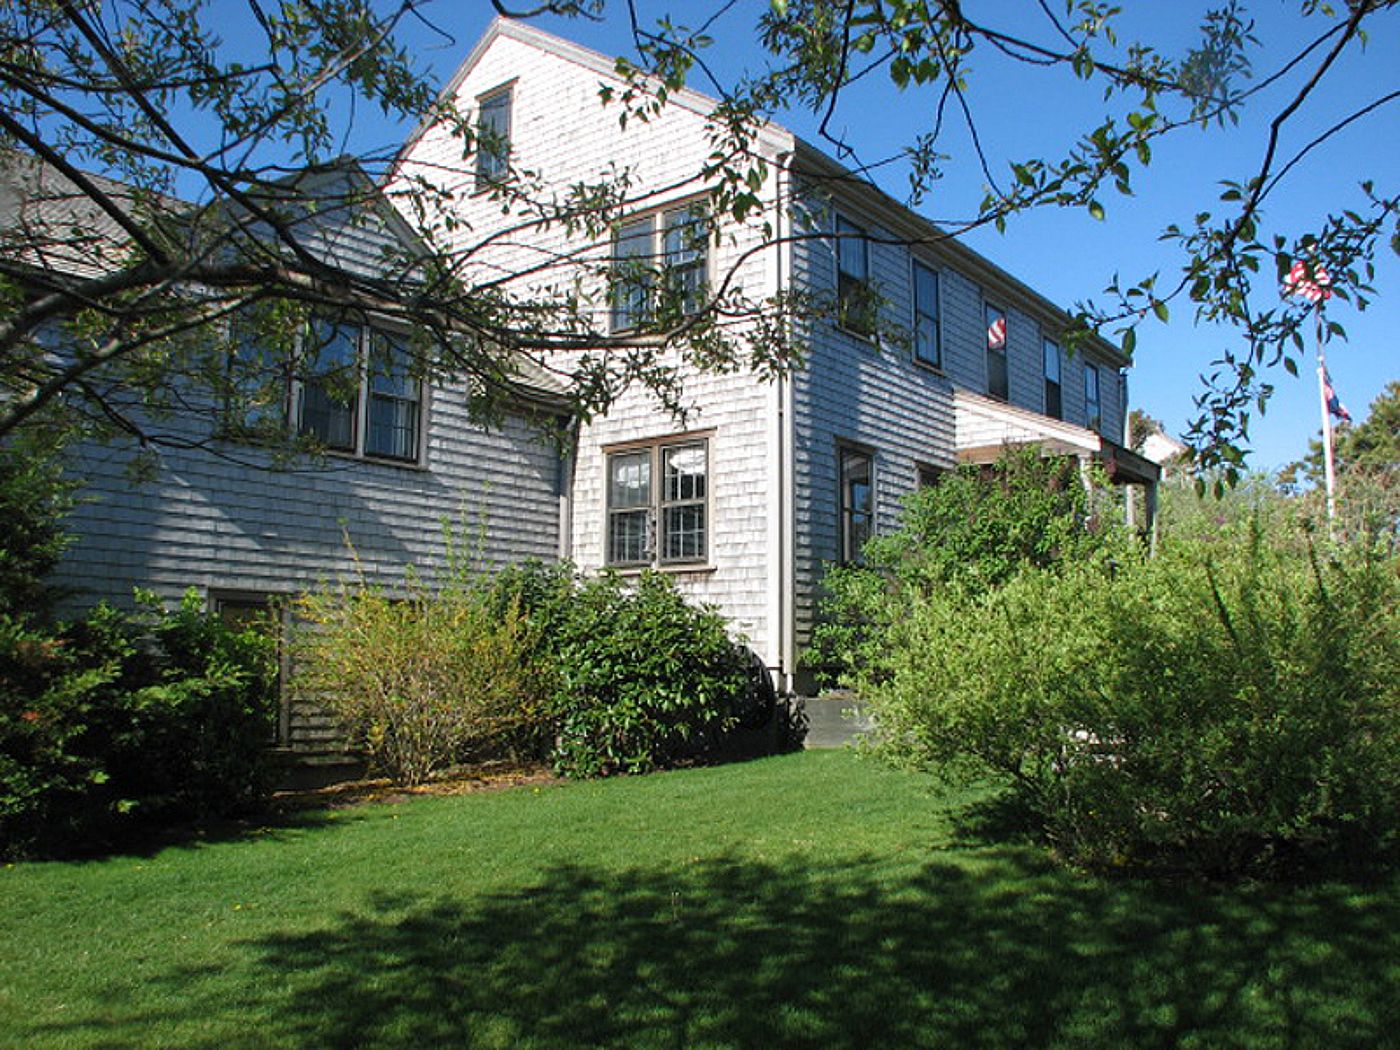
1067 255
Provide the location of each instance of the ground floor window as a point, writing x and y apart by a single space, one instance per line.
857 502
658 503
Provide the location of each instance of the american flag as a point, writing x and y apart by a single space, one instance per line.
1334 403
996 333
1310 282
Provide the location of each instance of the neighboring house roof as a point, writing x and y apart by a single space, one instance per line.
50 225
1162 449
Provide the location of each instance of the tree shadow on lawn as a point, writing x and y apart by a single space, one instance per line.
995 950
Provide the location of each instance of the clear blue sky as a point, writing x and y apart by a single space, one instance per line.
1067 255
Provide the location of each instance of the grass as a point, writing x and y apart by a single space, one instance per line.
809 900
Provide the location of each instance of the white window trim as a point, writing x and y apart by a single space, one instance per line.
656 507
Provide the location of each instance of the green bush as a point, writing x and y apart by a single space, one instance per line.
1229 706
119 722
972 532
644 679
426 682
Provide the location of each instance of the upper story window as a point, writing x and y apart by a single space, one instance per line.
1093 414
928 341
356 392
658 504
493 138
857 502
998 382
1054 401
643 291
855 305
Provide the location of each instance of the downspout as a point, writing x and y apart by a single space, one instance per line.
564 487
787 495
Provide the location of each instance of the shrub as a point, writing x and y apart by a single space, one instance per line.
972 532
1225 707
644 679
425 682
119 722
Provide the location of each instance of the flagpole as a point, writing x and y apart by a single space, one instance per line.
1328 466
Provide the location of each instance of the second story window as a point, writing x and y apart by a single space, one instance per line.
356 392
493 138
660 268
855 305
1093 414
998 382
857 502
1054 402
329 401
928 343
658 504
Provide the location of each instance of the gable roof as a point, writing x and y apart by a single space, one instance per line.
806 157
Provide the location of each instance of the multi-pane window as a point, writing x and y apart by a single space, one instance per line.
660 267
857 502
998 384
855 307
658 504
356 392
329 400
928 346
1054 401
1093 414
493 138
255 400
395 398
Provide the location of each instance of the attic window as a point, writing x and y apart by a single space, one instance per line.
493 138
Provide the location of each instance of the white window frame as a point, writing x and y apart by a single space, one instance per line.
358 445
654 510
632 305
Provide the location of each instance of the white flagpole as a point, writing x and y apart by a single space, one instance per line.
1329 467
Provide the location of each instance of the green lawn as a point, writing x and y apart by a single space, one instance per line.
814 900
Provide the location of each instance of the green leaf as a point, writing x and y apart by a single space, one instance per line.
1096 210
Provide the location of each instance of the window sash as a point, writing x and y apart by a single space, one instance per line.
1054 397
394 401
853 301
1093 413
632 274
493 138
928 344
857 503
330 385
685 251
998 379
